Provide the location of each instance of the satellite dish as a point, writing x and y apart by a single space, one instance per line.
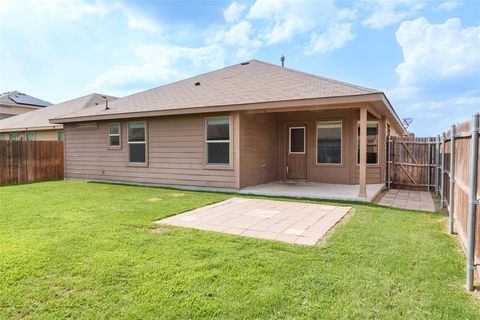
406 122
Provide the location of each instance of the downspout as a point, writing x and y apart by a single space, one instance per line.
472 203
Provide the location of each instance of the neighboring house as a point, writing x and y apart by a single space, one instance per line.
36 126
14 103
243 125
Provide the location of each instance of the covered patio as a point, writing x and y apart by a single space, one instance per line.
315 190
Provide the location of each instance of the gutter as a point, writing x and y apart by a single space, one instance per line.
311 102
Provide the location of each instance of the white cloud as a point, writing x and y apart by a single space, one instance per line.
449 5
159 64
433 51
240 36
286 19
77 10
385 13
234 11
336 36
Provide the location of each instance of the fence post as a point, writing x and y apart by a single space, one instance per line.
442 178
472 203
389 162
451 216
429 160
437 151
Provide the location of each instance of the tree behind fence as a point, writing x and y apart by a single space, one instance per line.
30 161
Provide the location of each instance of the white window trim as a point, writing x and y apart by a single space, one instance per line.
119 135
228 165
378 143
290 140
341 144
138 164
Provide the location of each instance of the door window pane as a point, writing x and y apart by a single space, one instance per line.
372 143
329 142
297 140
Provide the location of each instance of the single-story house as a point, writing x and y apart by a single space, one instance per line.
35 125
243 125
14 103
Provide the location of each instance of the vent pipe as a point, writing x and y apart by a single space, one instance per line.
282 60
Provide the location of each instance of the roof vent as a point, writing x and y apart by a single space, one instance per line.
245 63
197 84
282 60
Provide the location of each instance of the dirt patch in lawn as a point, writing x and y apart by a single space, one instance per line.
158 230
177 194
154 199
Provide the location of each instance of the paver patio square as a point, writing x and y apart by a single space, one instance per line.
293 222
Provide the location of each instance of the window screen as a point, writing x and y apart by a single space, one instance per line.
137 142
30 136
218 140
114 134
372 143
329 142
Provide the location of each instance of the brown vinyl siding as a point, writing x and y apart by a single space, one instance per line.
258 149
176 154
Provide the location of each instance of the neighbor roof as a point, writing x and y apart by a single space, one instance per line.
38 119
15 98
253 82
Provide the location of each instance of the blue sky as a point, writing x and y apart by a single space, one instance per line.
425 54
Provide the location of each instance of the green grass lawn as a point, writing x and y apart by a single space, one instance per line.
86 250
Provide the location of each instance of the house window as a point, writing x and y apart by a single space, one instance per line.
218 140
137 142
1 136
372 143
329 142
114 134
12 136
30 136
60 136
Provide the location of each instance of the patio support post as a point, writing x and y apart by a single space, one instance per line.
363 152
451 216
472 203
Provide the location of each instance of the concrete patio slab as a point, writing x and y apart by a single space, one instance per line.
314 190
408 199
292 222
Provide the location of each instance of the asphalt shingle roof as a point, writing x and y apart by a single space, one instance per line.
39 118
252 82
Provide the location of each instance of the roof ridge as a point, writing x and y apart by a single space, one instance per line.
370 90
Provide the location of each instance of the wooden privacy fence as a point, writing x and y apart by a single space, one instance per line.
30 161
449 165
410 162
